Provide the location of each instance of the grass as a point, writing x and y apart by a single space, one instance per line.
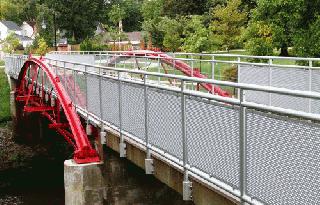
4 96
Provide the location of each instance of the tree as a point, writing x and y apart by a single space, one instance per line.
228 24
196 36
173 8
172 30
10 43
42 47
258 39
116 15
133 19
152 11
9 10
307 41
78 18
284 17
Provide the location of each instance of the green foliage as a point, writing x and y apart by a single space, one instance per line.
10 43
133 19
228 23
42 47
258 39
196 36
4 96
307 41
172 30
284 16
152 10
230 74
78 18
92 45
116 13
173 8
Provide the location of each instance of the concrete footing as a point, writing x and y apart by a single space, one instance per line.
83 183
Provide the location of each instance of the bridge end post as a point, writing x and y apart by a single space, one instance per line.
83 183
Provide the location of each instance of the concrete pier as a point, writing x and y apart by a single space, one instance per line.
83 183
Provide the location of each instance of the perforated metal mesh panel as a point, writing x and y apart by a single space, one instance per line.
283 160
213 139
13 65
69 84
110 101
294 79
133 109
258 75
80 89
165 126
93 95
291 78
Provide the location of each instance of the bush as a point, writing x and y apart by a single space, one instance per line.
91 45
42 47
230 74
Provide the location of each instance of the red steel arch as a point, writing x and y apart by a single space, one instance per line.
37 99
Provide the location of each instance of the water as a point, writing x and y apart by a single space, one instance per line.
42 183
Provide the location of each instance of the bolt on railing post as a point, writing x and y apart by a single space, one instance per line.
310 85
122 145
242 147
187 185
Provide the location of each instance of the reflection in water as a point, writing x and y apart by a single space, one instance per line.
126 184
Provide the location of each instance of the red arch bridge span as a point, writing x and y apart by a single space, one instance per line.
33 90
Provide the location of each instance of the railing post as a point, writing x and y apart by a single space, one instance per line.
270 80
64 75
212 72
187 185
242 146
88 126
103 134
122 145
239 69
310 85
148 161
159 71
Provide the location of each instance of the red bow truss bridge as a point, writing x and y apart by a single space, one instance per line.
35 77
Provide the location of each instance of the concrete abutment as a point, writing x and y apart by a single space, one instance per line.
83 183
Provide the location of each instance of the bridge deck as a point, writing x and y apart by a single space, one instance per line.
248 151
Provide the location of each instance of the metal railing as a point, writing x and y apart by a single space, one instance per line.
284 72
258 153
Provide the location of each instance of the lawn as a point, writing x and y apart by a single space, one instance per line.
4 96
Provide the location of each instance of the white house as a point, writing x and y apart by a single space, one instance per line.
28 29
7 27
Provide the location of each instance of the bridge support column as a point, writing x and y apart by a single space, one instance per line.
83 183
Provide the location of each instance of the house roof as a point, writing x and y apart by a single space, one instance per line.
11 25
23 38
